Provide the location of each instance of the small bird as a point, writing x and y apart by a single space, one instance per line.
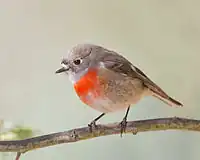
107 82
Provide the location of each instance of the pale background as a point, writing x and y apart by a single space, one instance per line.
160 37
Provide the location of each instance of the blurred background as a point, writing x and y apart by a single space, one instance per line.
160 37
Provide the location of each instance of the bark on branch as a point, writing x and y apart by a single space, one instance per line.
84 133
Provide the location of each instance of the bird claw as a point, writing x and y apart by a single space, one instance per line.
123 124
92 125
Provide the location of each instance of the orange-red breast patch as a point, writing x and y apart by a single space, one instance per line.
87 83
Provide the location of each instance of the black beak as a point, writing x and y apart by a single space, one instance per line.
63 69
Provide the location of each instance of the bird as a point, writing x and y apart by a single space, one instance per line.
108 82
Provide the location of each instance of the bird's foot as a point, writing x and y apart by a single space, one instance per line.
92 125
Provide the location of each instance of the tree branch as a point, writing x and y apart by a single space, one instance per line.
74 135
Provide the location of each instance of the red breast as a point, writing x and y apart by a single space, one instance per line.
88 84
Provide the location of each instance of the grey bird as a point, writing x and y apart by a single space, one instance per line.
108 82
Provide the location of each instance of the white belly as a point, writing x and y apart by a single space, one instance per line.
105 105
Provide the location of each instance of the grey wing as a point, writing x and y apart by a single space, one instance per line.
118 63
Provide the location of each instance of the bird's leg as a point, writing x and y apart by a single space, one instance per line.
124 122
93 123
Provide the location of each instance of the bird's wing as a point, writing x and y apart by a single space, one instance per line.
117 63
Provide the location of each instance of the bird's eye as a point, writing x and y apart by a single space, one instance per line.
77 61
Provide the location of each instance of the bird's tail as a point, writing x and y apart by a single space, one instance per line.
157 92
168 100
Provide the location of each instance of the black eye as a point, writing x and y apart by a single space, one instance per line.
77 61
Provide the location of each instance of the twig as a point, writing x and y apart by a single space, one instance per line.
22 146
18 156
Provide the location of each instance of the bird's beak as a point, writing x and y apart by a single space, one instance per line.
63 69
